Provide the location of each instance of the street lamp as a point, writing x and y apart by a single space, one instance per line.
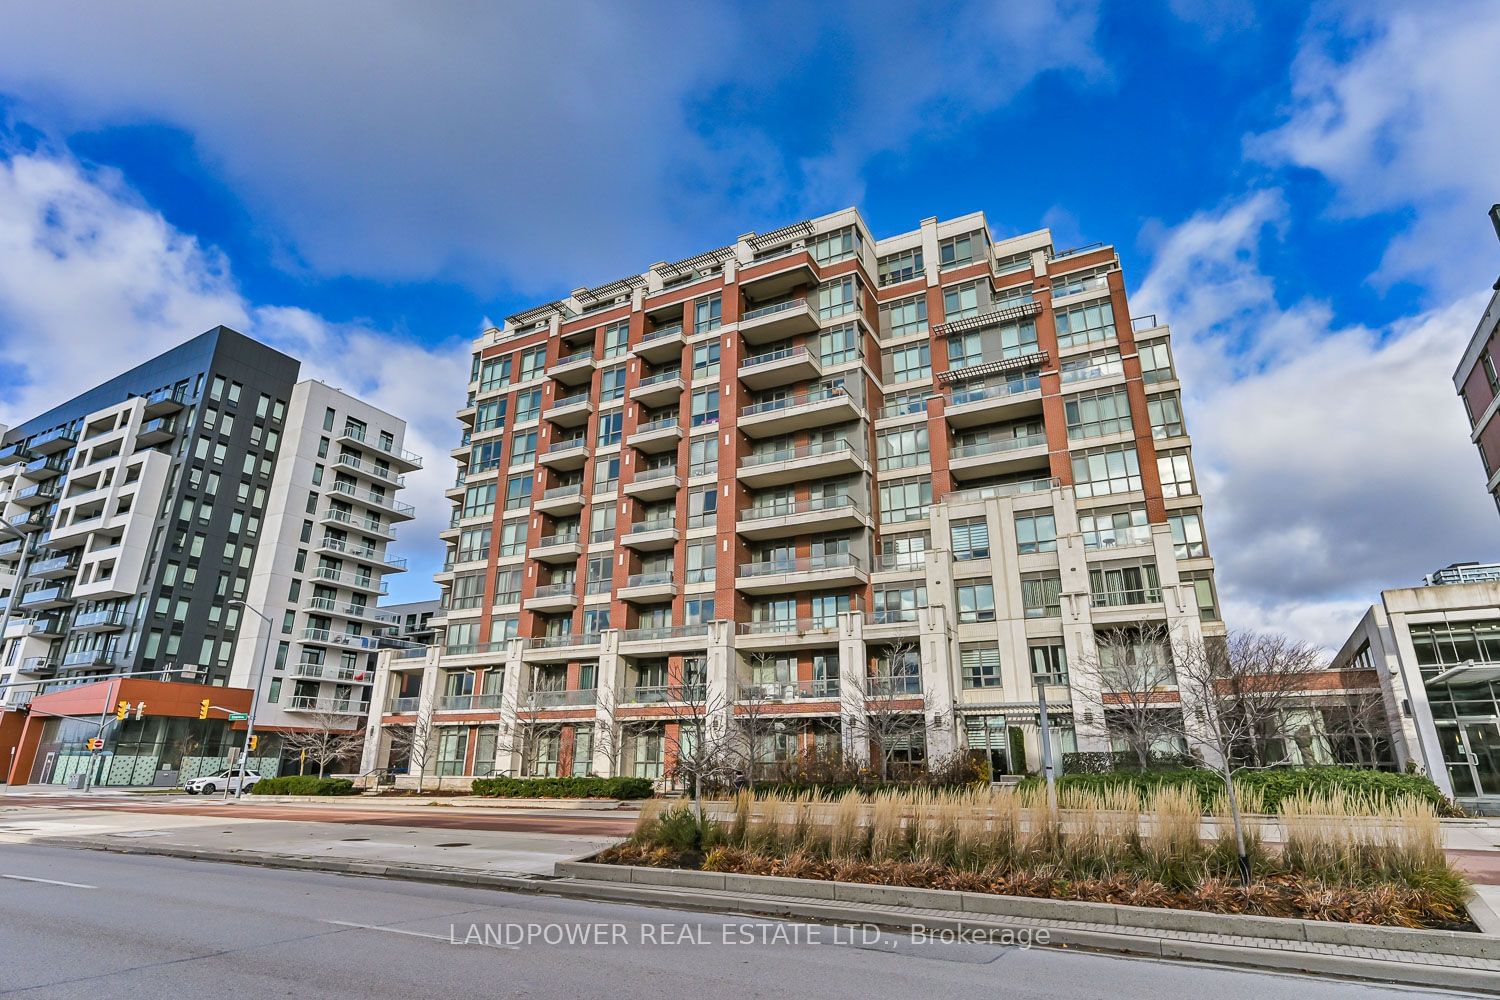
260 676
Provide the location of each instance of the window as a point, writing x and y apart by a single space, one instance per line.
517 492
1049 663
467 592
606 474
703 507
1104 529
980 665
494 374
838 345
522 448
697 611
1165 412
1119 586
971 538
507 586
528 405
957 250
907 364
1041 596
532 365
473 545
1202 582
960 301
1176 473
1094 414
1036 533
612 384
903 447
1018 340
616 336
906 551
602 522
513 538
905 500
479 500
899 604
1102 471
1100 364
1085 324
906 318
706 360
490 416
1156 362
609 428
976 603
700 561
965 350
900 266
705 407
1187 534
836 298
826 609
708 313
703 456
839 245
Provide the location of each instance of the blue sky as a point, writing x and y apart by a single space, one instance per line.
1299 190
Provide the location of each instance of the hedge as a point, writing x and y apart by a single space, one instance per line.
565 788
303 784
1275 784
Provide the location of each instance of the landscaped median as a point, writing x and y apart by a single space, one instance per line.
1341 858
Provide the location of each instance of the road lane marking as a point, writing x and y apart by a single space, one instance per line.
399 930
48 881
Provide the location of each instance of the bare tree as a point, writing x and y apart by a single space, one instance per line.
751 711
415 742
326 740
1358 725
702 743
607 732
888 715
1259 675
1132 668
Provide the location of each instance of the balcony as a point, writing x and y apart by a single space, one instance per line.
657 436
381 501
645 587
667 636
108 620
819 407
998 456
654 484
34 521
990 402
53 442
406 460
354 581
777 368
560 647
571 411
563 548
87 658
567 454
818 460
55 568
367 553
165 401
47 598
39 469
778 321
649 536
331 672
554 597
783 520
158 431
839 569
326 706
404 706
39 495
11 549
659 389
574 369
564 699
369 525
346 640
39 665
1019 487
468 702
370 470
662 694
825 689
560 500
343 609
660 345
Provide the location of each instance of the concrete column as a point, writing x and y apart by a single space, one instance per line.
374 747
936 650
854 659
721 672
606 747
514 693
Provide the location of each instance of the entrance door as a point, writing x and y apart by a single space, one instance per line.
1471 750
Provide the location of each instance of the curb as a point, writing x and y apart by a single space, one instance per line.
456 802
848 910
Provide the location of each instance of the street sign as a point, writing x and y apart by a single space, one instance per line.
238 716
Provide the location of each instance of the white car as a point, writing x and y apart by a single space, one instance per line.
211 783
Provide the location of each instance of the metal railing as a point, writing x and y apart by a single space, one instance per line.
658 694
564 699
336 706
814 450
371 469
661 333
1001 490
566 589
331 672
358 434
662 632
959 395
566 401
817 395
375 499
661 378
756 512
562 492
568 444
649 579
109 616
563 641
997 446
1125 598
654 524
352 580
362 523
660 472
793 625
332 638
569 538
771 357
774 308
804 564
572 359
822 689
674 422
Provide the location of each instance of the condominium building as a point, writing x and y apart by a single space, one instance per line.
815 477
1436 651
204 510
1477 380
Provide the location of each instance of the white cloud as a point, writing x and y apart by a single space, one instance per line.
1334 460
1395 105
527 142
95 282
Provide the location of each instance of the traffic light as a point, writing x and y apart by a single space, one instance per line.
254 742
203 709
122 710
95 743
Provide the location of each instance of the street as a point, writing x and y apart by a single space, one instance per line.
72 926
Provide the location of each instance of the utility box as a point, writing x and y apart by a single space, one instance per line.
76 781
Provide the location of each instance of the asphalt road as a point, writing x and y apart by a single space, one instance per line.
80 924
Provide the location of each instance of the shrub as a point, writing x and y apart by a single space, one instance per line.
564 788
831 775
303 784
